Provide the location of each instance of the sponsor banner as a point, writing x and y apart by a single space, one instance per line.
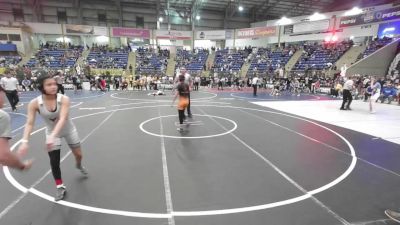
288 29
211 35
173 34
391 29
45 28
8 48
321 25
370 17
83 29
229 34
256 32
130 32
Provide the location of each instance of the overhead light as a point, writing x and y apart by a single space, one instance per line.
197 17
317 16
62 39
102 38
160 19
354 11
284 21
240 8
351 37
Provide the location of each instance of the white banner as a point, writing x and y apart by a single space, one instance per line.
211 35
173 34
321 25
83 29
45 28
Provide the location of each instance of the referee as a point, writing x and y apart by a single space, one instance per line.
60 80
347 88
10 85
255 82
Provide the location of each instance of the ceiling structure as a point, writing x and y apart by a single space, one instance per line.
180 12
255 9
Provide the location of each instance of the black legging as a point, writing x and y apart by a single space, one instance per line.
254 89
61 88
366 96
13 98
181 116
220 85
346 97
55 164
188 107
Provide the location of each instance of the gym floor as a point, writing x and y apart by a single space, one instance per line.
240 161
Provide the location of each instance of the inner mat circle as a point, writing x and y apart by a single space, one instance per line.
232 126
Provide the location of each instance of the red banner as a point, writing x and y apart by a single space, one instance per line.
256 32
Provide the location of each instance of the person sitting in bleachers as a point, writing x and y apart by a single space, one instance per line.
389 92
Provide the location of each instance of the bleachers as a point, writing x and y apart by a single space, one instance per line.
103 58
374 46
55 57
267 60
6 61
227 61
194 62
320 57
150 62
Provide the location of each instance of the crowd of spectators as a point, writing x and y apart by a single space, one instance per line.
56 55
151 61
105 57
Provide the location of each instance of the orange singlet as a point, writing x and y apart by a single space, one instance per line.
183 90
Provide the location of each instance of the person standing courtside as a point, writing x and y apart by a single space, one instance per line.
347 97
60 80
196 83
10 85
254 82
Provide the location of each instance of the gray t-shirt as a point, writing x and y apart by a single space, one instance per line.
5 125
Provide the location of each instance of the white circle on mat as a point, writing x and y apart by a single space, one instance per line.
189 137
289 201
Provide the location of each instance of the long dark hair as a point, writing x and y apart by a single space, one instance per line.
42 76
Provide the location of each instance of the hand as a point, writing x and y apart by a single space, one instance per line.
50 142
22 150
27 164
